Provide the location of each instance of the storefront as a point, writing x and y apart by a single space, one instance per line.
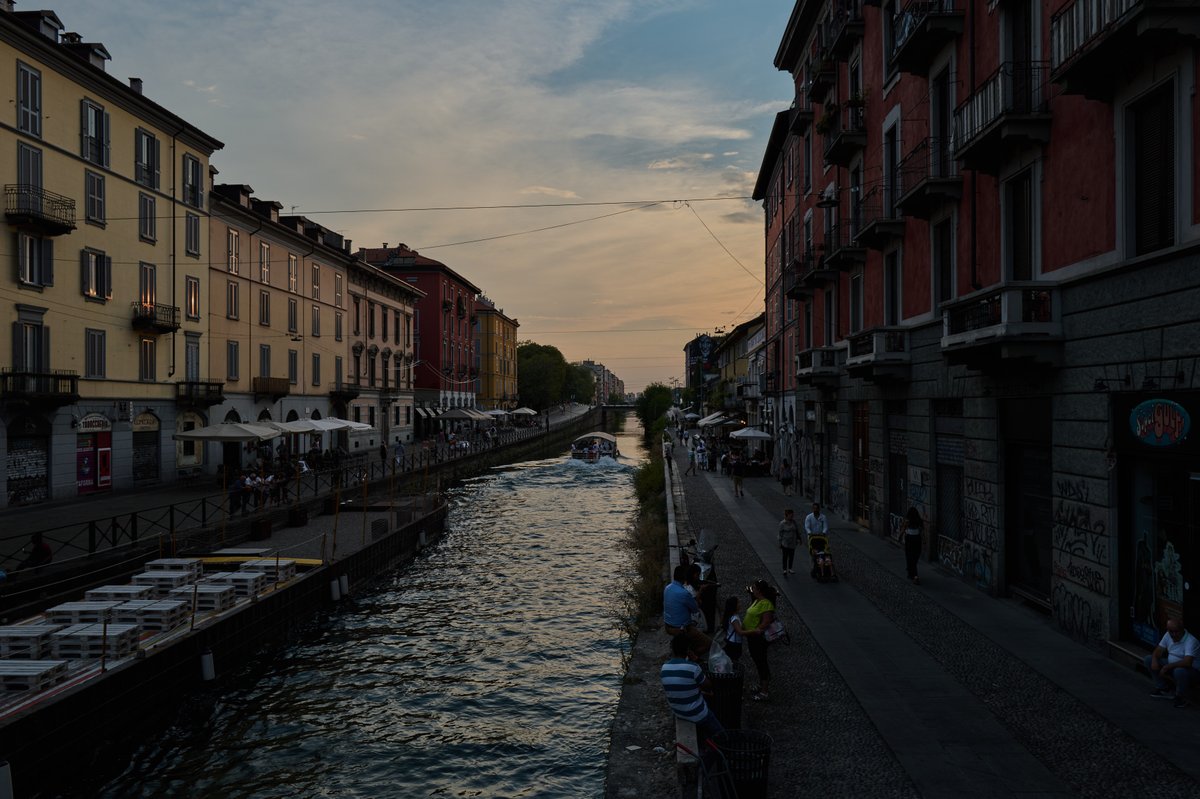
93 454
1158 461
28 461
145 428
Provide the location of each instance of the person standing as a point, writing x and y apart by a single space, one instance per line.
731 622
738 469
789 535
685 685
912 543
816 523
1174 661
786 477
759 616
691 469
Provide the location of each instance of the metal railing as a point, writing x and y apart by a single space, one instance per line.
879 341
27 199
841 14
849 118
275 386
1082 22
153 314
916 12
1016 87
1009 304
200 393
932 158
56 383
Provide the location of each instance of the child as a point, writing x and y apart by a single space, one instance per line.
731 621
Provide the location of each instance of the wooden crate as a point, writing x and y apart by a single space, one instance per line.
26 641
154 615
31 675
245 584
85 612
121 593
193 566
87 641
208 596
162 582
286 568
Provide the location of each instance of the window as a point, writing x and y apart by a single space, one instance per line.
293 367
383 320
191 357
96 274
1151 163
293 274
316 321
891 171
147 224
316 282
193 182
93 191
808 325
358 413
856 302
231 300
191 297
892 285
29 100
264 360
830 331
31 344
1020 253
192 234
94 133
942 252
337 326
147 361
264 307
35 260
396 326
292 316
231 360
146 151
147 284
337 290
93 353
370 371
889 15
316 369
370 320
233 247
264 262
806 144
357 315
371 415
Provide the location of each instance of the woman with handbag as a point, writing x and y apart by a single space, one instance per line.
758 617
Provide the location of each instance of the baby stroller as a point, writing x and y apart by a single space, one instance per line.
822 558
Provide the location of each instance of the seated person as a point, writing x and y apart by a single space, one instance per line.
680 608
686 685
1174 661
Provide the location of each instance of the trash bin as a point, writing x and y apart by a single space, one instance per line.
726 699
748 754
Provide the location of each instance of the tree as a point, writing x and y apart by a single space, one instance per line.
580 385
541 375
653 402
615 399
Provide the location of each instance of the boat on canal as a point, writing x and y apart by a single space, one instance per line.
591 447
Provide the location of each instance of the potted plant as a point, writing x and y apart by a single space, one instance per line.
858 99
828 120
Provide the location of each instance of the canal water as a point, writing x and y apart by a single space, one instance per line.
490 667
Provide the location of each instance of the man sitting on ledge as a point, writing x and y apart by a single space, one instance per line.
685 685
1174 661
678 607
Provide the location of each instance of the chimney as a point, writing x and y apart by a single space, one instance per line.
385 245
136 85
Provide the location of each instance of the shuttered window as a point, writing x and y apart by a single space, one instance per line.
1018 211
1152 164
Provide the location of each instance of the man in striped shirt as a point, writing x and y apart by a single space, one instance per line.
685 685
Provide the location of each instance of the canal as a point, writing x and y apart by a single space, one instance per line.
489 667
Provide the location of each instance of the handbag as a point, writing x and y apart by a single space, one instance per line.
774 632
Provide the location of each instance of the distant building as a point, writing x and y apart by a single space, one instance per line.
496 353
607 383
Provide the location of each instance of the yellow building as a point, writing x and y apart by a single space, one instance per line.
496 371
105 217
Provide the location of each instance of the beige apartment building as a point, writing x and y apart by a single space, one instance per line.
496 370
103 183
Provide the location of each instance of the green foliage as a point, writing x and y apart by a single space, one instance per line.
653 403
615 399
580 384
541 375
647 538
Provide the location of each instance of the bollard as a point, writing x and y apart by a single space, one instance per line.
208 671
344 584
335 590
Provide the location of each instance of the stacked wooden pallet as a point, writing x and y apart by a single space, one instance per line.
122 593
26 641
81 641
277 570
245 584
194 567
207 596
31 675
152 614
163 582
85 612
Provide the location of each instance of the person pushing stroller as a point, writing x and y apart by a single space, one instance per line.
816 529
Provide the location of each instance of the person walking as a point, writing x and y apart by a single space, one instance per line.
816 523
789 535
759 616
786 477
738 470
691 469
913 524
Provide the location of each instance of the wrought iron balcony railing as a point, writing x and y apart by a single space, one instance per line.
31 205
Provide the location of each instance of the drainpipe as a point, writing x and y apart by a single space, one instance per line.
174 236
974 172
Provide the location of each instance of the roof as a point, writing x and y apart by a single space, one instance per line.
779 134
795 35
402 259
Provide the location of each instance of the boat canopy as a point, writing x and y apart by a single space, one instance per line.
602 436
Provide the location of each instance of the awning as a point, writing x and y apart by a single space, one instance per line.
423 413
710 419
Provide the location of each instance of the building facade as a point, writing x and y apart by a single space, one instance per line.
496 351
105 214
983 224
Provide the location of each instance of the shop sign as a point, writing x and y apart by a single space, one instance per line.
94 423
145 422
1160 423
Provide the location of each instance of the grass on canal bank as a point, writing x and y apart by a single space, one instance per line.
647 540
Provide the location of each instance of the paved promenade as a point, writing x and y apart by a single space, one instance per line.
889 689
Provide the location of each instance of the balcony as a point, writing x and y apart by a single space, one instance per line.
881 225
845 134
802 116
274 387
1007 111
928 178
33 208
813 272
49 389
1093 42
1015 323
193 394
822 72
922 28
845 27
794 287
818 367
879 355
844 252
153 317
344 390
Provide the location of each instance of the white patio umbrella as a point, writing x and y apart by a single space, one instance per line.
297 426
229 431
497 412
750 434
691 416
458 413
525 412
350 424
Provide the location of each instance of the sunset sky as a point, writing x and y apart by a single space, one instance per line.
365 107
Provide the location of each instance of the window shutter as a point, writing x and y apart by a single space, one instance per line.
1154 170
44 336
157 160
83 129
18 351
107 274
83 272
47 262
106 140
19 250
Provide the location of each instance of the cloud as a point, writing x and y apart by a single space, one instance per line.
565 194
681 162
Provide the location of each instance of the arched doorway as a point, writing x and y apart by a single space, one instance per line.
28 461
146 437
292 416
233 416
264 415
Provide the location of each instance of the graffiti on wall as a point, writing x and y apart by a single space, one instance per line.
951 553
977 564
839 479
1079 614
896 525
981 518
1079 533
919 491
